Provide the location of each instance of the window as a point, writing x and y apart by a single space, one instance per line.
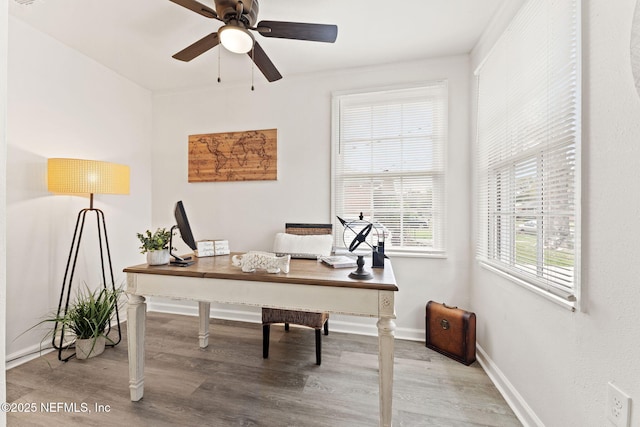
388 164
528 137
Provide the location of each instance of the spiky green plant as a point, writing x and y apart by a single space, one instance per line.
91 313
88 316
156 241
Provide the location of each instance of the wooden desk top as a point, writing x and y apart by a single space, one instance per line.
301 271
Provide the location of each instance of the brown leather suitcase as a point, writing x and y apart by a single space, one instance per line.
451 331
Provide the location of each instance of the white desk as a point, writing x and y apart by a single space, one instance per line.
309 286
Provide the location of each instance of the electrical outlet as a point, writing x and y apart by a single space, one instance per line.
618 406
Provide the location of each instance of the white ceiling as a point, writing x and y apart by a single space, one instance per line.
136 38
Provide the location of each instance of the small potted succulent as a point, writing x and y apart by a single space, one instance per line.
156 246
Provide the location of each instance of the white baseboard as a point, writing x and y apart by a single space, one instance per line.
23 356
523 411
192 310
33 352
255 317
410 334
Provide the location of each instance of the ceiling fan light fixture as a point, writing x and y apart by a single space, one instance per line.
236 39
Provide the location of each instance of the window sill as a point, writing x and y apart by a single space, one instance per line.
563 302
398 254
392 254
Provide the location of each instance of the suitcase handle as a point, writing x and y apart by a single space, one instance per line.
448 306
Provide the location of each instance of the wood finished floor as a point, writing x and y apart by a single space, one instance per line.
229 384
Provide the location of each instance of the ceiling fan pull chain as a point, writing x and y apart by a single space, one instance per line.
219 65
253 64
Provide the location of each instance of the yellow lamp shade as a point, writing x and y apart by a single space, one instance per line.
76 176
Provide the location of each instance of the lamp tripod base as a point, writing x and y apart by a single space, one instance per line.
62 339
360 273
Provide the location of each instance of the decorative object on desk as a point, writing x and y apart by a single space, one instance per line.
78 177
158 257
360 230
221 247
256 260
207 248
338 261
378 255
357 231
156 246
89 319
234 156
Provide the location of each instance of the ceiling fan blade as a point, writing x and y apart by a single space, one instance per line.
263 62
299 31
198 48
197 7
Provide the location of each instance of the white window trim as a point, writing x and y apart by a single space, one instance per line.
335 137
571 301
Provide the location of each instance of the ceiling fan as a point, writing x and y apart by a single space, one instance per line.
240 16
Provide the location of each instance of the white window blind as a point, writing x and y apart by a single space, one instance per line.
528 137
389 164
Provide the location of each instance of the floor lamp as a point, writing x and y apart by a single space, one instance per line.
81 177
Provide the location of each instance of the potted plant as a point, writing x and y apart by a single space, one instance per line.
156 246
88 317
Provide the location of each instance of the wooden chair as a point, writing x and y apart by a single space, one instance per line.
314 320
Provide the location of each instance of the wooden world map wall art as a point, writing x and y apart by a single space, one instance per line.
234 156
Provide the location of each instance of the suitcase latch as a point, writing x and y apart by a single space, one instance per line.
444 323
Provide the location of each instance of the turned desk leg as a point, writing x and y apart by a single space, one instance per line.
136 313
386 328
203 333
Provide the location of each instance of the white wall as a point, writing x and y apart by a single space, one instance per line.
553 363
63 104
249 214
4 32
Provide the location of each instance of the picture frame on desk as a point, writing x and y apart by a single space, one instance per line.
206 248
338 261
